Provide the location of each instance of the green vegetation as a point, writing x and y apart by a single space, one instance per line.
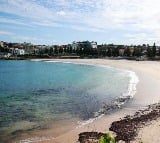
107 139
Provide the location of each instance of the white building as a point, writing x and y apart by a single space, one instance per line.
76 45
1 44
94 45
19 51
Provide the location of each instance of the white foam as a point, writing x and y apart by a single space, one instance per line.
91 120
81 63
131 87
132 84
36 60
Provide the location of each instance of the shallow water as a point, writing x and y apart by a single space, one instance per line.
36 94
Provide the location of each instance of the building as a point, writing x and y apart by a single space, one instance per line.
28 47
19 51
1 44
94 45
84 44
131 50
121 52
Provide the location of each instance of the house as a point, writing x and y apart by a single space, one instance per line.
94 45
1 44
131 50
121 52
19 51
5 55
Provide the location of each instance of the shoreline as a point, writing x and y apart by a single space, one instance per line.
103 124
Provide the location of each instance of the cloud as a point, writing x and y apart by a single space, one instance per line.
2 33
33 39
61 13
25 38
47 23
143 38
13 21
124 16
25 8
99 14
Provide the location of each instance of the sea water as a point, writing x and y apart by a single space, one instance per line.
34 94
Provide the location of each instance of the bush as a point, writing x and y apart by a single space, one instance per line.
107 139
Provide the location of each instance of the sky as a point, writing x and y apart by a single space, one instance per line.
60 22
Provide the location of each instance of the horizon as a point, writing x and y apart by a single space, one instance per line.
58 22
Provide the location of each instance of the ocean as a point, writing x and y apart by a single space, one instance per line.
37 94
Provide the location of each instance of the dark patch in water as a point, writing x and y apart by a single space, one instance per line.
12 113
48 91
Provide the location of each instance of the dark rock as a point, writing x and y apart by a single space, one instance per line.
127 129
90 137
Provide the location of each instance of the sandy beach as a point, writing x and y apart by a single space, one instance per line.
147 93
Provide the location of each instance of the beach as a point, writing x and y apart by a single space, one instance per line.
147 92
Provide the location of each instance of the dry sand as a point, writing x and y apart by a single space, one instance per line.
150 133
147 93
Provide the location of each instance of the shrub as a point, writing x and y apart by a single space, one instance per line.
107 139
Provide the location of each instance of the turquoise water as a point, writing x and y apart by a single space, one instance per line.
45 92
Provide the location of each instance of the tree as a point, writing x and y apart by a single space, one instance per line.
10 45
0 48
65 50
71 49
109 52
56 50
149 52
51 51
87 48
137 52
159 52
60 50
80 51
154 50
116 52
127 52
46 51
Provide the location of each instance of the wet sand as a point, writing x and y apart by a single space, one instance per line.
147 93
